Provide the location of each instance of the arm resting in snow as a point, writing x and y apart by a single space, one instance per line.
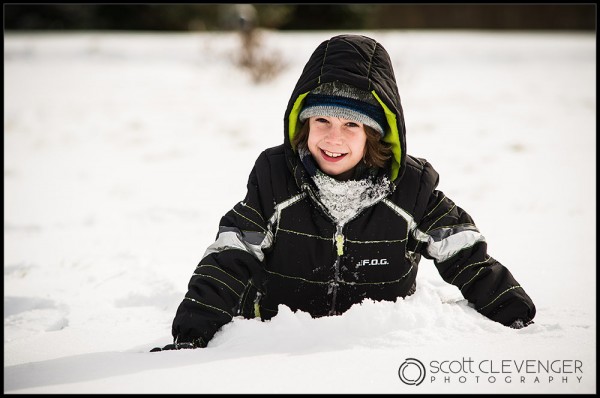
230 267
448 235
488 285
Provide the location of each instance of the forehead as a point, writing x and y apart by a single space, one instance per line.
334 119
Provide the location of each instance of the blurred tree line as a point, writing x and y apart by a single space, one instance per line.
196 17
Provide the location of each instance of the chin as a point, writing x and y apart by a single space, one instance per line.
333 172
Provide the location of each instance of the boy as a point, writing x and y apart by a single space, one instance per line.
340 212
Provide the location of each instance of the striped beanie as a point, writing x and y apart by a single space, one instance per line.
337 99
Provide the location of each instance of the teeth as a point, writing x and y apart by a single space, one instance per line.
333 155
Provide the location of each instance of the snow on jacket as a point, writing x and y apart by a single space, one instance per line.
280 245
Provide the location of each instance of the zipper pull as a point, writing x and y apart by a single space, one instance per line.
257 305
339 241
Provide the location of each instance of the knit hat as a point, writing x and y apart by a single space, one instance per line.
337 99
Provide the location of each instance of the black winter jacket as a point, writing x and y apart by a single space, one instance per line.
280 246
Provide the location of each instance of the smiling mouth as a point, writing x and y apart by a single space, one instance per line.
332 156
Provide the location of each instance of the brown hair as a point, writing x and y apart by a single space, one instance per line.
376 154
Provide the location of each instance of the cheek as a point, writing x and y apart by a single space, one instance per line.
311 143
313 139
359 146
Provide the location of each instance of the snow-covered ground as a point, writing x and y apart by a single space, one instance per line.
122 152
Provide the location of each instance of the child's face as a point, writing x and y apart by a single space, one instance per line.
336 144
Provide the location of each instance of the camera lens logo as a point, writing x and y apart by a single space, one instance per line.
412 372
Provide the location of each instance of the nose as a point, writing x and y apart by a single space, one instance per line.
334 134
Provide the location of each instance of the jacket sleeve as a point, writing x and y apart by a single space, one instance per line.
446 234
228 270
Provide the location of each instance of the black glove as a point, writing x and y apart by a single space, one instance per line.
520 324
182 343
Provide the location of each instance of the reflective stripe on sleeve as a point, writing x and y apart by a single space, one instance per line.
452 242
442 243
249 241
252 242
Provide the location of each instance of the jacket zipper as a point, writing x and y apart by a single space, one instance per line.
339 245
257 305
339 241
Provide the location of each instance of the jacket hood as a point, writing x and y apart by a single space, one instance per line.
361 62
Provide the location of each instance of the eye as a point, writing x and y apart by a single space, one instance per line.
321 120
352 124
